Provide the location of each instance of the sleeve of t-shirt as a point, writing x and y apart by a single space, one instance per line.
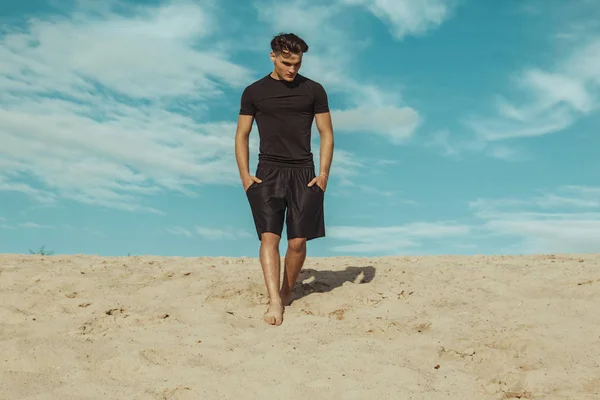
247 106
321 103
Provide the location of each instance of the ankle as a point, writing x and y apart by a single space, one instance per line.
285 296
276 300
285 288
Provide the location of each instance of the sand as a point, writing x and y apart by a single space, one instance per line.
88 327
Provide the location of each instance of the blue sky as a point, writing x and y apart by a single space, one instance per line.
461 126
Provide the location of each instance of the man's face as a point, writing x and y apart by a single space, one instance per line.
287 65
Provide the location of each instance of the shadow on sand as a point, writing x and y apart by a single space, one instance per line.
314 281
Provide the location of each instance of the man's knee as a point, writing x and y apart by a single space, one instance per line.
270 239
297 244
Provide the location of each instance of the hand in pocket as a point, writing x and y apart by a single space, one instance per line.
320 181
247 181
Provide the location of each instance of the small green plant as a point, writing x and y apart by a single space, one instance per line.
41 251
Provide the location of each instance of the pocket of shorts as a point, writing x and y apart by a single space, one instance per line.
250 187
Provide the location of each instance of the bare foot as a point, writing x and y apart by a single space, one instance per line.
274 314
286 298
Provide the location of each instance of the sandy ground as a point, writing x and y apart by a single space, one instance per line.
85 327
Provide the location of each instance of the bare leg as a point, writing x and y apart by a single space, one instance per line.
270 261
294 260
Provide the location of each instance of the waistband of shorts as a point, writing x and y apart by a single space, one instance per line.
280 164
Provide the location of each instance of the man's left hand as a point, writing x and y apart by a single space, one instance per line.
320 181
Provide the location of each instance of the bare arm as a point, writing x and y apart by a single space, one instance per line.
242 150
325 127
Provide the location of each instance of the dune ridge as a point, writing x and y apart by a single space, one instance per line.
431 327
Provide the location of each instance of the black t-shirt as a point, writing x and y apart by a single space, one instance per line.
284 113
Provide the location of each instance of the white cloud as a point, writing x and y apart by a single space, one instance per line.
221 233
38 195
567 220
554 97
4 224
408 17
228 233
346 165
571 196
556 100
354 172
179 231
393 239
585 62
397 124
33 225
105 109
443 140
543 99
454 146
555 88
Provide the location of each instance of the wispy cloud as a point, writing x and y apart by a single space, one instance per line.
408 17
24 225
105 109
228 233
5 224
555 100
393 239
571 196
179 231
221 233
354 172
546 99
566 220
563 220
33 225
539 99
397 124
38 195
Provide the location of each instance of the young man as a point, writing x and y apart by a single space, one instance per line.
284 104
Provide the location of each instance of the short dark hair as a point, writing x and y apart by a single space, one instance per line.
288 43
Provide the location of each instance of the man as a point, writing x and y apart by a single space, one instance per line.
284 104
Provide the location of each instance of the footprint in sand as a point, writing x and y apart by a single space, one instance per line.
253 294
338 314
117 318
153 356
518 394
103 322
456 354
411 326
592 384
178 393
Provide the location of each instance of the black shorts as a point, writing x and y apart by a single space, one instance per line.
286 189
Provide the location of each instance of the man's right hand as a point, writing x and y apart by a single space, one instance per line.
249 180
